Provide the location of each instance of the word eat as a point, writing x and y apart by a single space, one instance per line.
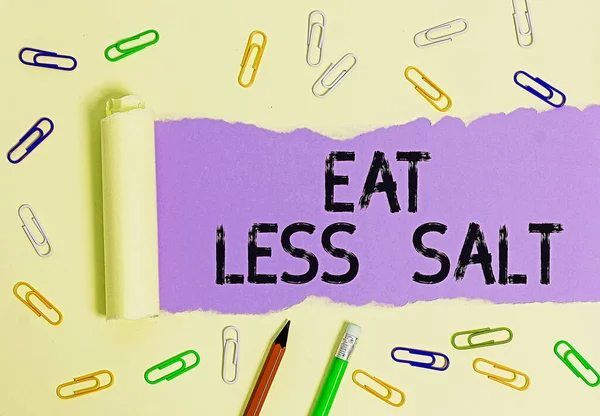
379 166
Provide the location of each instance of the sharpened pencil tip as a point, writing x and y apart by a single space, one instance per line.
283 335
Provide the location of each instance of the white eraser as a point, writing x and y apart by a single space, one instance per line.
353 330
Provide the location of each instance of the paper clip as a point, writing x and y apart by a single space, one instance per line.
565 359
125 52
311 28
519 29
389 389
503 380
37 245
477 332
38 53
259 53
432 100
83 379
41 137
176 359
438 40
27 301
430 366
236 354
332 67
549 88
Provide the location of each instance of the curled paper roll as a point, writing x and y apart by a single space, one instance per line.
130 222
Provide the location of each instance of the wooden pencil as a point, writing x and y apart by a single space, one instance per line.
267 374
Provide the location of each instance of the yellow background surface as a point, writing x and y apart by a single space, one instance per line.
192 72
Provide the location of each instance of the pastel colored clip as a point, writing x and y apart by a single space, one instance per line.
329 86
37 245
27 302
312 26
519 29
235 342
565 359
428 365
500 379
389 389
84 379
250 46
176 373
438 40
40 54
546 96
478 332
33 130
430 98
124 52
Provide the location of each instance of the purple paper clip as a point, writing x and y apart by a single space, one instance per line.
36 142
38 53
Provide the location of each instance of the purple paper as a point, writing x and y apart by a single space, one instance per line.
516 169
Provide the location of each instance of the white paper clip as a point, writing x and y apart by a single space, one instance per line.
438 40
311 28
332 67
236 354
37 245
519 29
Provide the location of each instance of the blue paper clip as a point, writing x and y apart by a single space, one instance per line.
551 90
430 354
45 54
36 143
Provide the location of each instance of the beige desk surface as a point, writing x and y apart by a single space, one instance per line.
192 72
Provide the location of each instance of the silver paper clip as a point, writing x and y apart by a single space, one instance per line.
37 245
311 28
332 67
236 354
519 29
438 40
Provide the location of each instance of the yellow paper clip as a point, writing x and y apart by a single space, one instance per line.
37 245
329 86
432 100
249 47
389 389
26 300
87 390
500 379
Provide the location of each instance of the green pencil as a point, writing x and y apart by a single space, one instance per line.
336 371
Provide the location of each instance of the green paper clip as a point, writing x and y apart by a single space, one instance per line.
125 52
565 359
477 332
176 359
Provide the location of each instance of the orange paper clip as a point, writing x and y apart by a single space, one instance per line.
500 379
87 390
27 301
389 389
249 47
432 99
